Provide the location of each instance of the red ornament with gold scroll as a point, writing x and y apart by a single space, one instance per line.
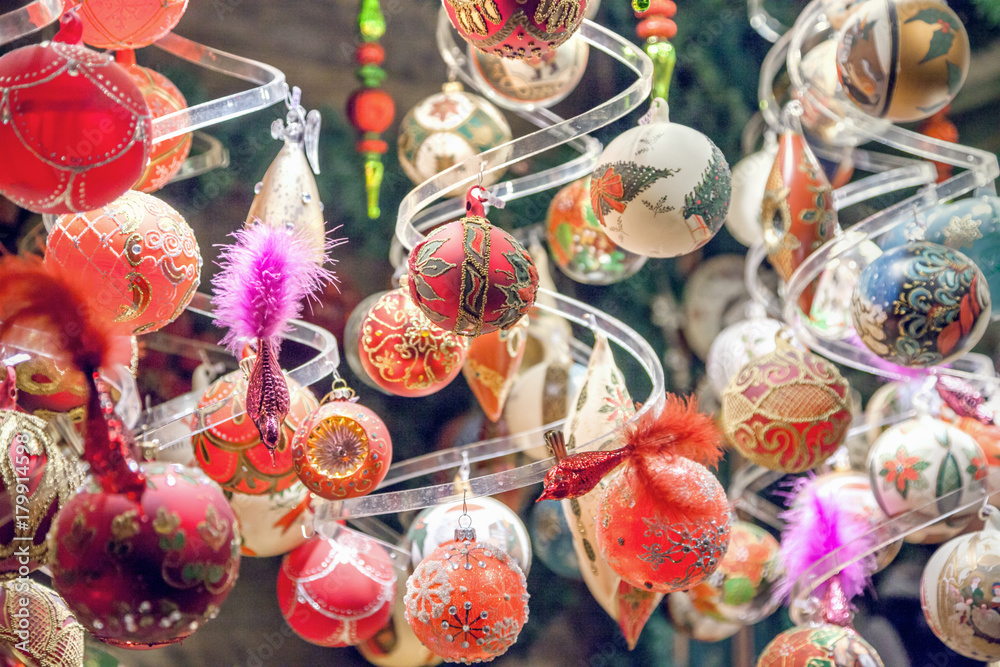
516 28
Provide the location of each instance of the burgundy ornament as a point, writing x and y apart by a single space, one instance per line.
516 28
75 131
472 278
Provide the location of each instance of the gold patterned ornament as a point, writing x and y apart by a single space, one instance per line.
532 83
37 628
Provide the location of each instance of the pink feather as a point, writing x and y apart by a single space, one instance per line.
265 277
817 524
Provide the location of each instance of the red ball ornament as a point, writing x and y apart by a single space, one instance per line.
826 644
341 450
371 110
229 448
337 592
137 258
516 28
148 572
74 129
110 24
403 352
470 277
467 601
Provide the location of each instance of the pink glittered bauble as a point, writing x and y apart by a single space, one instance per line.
337 592
516 28
112 24
141 574
74 128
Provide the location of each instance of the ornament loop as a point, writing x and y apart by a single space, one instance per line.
340 391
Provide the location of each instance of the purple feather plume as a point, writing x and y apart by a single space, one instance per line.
265 278
817 524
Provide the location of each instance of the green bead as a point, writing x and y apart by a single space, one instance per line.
371 75
664 57
374 170
640 5
371 21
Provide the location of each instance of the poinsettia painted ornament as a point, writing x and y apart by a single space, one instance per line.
337 592
109 25
902 59
823 644
516 28
342 449
788 410
75 130
472 278
491 366
661 189
403 352
272 525
921 304
37 627
797 211
137 257
229 447
467 601
265 277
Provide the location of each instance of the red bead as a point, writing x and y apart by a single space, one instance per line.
666 8
370 53
371 146
656 26
371 110
75 131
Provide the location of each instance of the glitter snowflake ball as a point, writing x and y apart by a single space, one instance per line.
467 601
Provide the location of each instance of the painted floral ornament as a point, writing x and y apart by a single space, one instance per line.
37 627
531 82
491 366
516 28
824 644
925 461
471 278
342 449
920 305
79 110
467 601
272 525
788 410
957 591
661 189
137 256
403 352
903 59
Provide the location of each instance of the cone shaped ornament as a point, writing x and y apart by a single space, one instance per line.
492 364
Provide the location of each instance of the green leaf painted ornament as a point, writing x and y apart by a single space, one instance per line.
940 45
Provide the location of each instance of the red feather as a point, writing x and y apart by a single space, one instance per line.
679 430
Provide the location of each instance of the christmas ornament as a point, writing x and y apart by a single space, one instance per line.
352 332
403 352
288 196
342 449
964 399
920 305
491 366
578 244
664 520
337 592
853 491
75 131
737 346
447 128
272 525
472 278
715 297
162 97
498 525
107 25
265 276
532 82
661 189
830 315
541 395
922 460
229 448
45 389
696 618
788 410
902 59
970 226
395 645
749 184
958 591
516 28
819 72
467 600
137 258
797 211
823 644
37 627
552 539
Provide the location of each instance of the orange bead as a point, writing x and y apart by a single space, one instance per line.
370 53
667 8
656 26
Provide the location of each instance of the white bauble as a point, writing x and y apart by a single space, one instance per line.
737 346
749 184
272 525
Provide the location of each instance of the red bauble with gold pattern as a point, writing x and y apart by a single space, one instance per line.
341 450
824 644
146 573
162 97
337 592
516 28
467 601
74 129
403 352
136 257
788 410
229 448
797 212
108 24
656 546
472 278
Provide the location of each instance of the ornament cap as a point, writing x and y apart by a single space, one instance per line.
465 534
659 112
452 87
